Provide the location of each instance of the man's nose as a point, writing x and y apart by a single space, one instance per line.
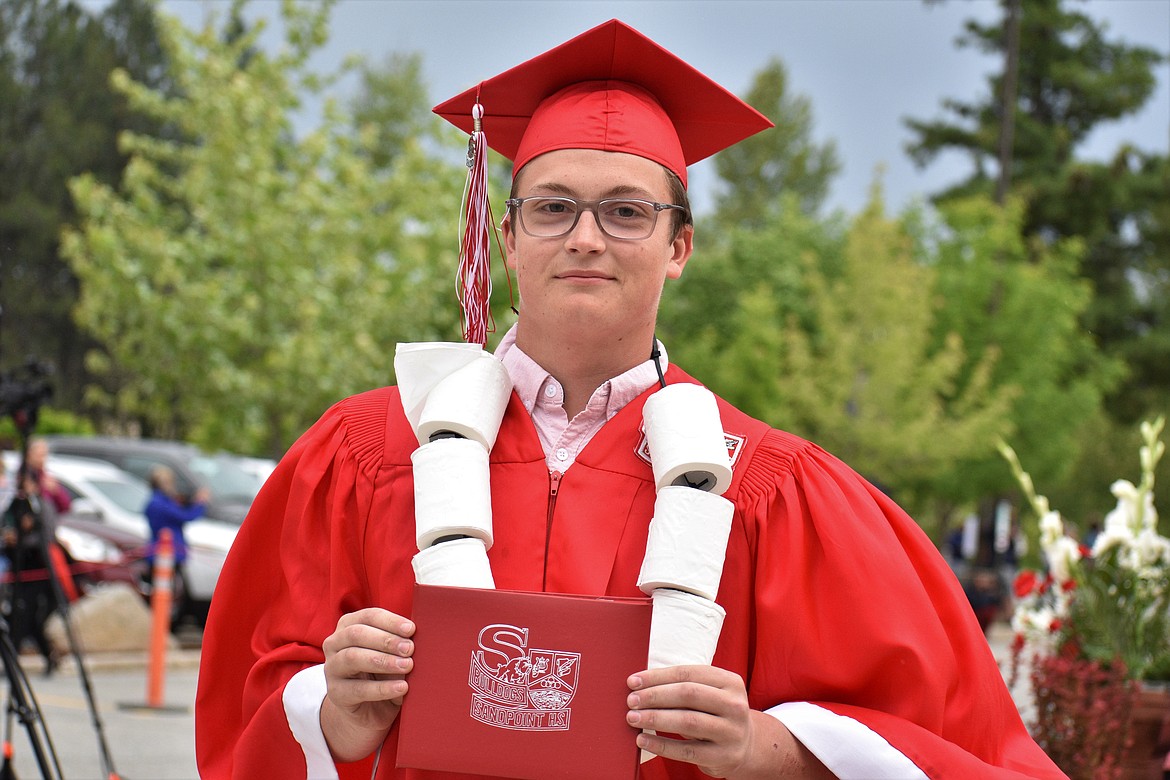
587 234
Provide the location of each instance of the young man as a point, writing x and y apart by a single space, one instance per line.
848 647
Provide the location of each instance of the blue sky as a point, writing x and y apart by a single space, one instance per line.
864 64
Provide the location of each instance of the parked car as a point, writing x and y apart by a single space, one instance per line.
99 554
105 495
260 468
233 483
96 552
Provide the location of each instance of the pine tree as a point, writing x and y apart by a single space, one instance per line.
60 118
756 172
1069 79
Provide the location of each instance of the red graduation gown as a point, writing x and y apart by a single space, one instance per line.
833 594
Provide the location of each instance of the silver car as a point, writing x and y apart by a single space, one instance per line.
104 493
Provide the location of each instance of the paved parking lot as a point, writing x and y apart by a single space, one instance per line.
142 743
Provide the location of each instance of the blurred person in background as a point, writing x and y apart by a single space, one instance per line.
167 510
27 520
35 464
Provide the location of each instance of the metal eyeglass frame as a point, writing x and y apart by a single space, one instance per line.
582 206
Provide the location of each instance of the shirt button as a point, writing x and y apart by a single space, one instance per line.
562 454
550 390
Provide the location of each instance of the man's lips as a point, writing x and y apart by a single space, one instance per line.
584 275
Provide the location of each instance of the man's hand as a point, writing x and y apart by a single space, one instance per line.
366 662
708 708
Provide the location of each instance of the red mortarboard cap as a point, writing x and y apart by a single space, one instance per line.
612 89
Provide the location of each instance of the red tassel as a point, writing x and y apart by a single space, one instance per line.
474 280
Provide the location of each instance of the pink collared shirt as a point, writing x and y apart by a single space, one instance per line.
544 398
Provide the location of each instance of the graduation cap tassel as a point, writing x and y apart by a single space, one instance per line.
475 281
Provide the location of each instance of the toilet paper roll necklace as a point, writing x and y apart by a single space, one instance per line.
452 488
688 535
687 542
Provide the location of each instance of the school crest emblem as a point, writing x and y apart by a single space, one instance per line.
518 687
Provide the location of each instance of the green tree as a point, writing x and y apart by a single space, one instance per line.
392 110
60 118
826 330
1022 301
782 161
906 346
1070 79
724 319
243 277
878 379
392 104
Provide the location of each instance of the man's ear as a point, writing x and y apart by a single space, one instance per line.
509 241
681 249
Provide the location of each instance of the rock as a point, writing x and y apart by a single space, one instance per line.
111 617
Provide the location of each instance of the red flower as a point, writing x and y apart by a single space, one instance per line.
1068 585
1055 625
1025 583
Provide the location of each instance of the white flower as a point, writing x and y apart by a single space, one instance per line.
1051 529
1131 573
1035 625
1033 622
1150 549
1124 490
1134 506
1062 554
1118 528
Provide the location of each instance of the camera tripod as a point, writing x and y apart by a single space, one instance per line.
22 702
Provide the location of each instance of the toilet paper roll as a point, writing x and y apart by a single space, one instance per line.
419 366
684 629
470 402
452 491
686 439
687 542
460 562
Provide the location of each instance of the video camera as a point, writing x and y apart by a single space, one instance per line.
23 390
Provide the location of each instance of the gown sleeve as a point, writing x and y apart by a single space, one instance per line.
857 613
275 604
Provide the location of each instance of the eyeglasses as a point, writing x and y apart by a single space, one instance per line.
631 219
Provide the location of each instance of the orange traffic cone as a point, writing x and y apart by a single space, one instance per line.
161 597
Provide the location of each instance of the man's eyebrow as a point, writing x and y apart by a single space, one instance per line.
555 189
621 190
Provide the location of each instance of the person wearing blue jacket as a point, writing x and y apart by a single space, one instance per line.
167 509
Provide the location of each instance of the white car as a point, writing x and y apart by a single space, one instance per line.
105 493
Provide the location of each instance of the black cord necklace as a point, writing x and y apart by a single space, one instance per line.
655 353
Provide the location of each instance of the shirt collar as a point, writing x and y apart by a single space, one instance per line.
529 379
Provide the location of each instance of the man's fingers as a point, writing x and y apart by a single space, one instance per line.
721 695
353 660
705 706
354 633
353 692
687 723
378 618
704 675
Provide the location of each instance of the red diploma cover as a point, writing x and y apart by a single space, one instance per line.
522 685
